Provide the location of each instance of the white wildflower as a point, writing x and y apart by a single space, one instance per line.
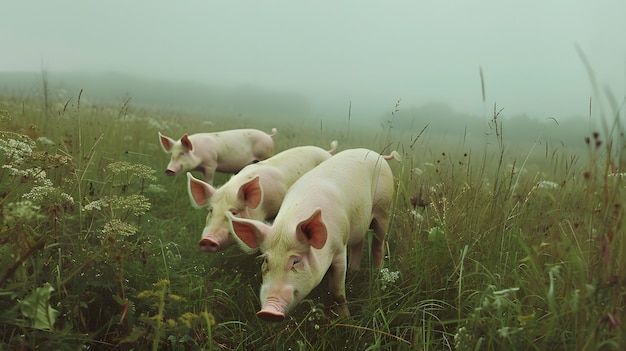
137 169
12 170
50 196
463 339
618 175
136 204
16 149
45 141
546 184
116 226
36 174
388 277
97 204
417 217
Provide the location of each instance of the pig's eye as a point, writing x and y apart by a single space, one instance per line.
234 211
294 260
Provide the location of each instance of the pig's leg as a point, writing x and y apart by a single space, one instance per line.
378 249
356 251
208 174
337 285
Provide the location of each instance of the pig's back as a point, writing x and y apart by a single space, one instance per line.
358 166
351 178
293 163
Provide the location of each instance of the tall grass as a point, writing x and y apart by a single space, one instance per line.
491 246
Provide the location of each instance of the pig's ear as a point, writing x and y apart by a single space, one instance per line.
251 193
248 233
166 142
199 191
313 231
186 142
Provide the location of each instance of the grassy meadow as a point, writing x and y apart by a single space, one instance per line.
492 245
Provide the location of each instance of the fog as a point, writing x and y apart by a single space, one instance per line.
330 55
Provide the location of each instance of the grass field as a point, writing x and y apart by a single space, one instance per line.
492 246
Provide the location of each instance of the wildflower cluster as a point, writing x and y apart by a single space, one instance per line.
24 165
132 169
15 146
35 174
387 277
546 184
45 160
50 197
118 227
136 204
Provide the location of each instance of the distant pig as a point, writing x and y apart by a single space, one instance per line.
325 211
227 151
256 192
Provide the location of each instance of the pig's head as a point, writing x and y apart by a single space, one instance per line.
237 203
182 158
290 267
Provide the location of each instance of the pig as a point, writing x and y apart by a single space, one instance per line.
227 151
324 212
256 192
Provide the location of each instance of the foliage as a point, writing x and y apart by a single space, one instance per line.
491 246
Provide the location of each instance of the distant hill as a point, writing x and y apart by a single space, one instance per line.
443 120
252 102
247 101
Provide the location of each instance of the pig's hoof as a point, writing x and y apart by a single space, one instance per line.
339 310
271 316
208 245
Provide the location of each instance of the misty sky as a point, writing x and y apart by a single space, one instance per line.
369 52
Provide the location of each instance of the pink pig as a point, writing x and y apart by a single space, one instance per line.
325 211
227 151
256 192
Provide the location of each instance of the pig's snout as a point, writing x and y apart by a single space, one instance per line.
272 311
209 245
173 168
